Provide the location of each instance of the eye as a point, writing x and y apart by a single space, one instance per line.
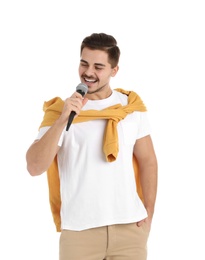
83 65
98 68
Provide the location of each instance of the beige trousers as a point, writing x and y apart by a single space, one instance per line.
115 242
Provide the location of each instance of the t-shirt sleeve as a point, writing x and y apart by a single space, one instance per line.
144 125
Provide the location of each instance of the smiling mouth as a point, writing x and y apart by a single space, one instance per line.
87 80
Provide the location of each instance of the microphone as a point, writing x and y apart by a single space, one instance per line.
82 89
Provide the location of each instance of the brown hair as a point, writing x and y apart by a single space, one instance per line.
104 42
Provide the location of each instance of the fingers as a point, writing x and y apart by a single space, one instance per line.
85 100
73 103
146 220
140 223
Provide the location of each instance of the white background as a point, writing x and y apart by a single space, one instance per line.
162 58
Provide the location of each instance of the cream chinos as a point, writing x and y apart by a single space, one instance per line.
114 242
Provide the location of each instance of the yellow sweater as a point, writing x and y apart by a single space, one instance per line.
113 115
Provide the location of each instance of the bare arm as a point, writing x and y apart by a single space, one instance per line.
41 153
145 154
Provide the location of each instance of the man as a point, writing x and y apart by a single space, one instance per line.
102 172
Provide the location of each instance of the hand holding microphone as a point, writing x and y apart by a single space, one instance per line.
82 89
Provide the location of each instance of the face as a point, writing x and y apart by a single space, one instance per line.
96 72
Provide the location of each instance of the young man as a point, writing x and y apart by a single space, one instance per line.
102 171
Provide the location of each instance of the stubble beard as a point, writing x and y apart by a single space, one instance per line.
97 90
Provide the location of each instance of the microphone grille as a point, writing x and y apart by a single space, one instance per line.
82 87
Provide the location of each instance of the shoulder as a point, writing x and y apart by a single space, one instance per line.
120 97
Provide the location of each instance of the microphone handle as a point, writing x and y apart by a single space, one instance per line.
70 119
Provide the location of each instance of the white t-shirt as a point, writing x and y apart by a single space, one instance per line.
95 192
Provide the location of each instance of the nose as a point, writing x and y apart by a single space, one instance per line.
89 71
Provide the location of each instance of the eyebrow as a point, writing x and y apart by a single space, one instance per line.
98 64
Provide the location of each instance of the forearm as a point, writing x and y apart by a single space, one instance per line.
42 152
148 178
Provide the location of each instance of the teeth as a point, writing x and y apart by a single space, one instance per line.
88 80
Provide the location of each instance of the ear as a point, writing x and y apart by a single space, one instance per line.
114 71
